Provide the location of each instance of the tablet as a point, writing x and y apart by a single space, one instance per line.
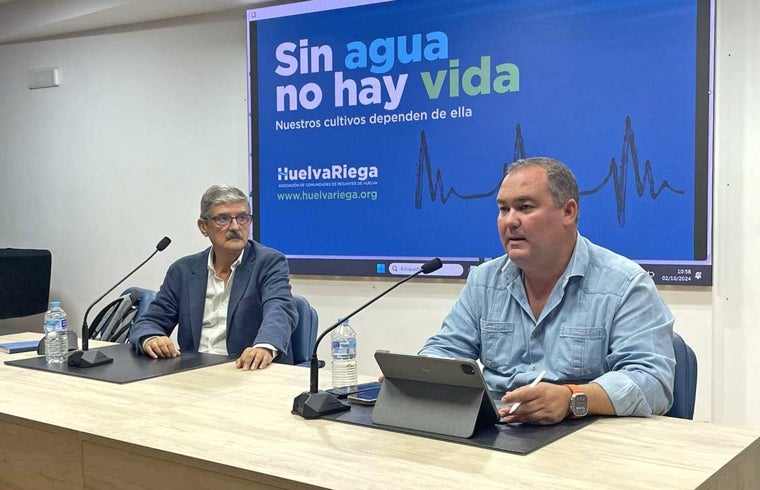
433 394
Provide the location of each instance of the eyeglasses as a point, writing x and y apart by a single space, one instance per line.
223 220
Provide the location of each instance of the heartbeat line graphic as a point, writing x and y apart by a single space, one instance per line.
618 174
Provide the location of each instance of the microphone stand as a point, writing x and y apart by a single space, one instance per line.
315 403
84 358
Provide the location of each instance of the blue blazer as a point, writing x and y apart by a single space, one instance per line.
261 308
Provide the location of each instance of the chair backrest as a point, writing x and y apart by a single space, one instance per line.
305 334
685 385
114 321
145 299
24 281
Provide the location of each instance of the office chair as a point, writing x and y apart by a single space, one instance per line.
114 321
685 385
305 334
24 282
146 297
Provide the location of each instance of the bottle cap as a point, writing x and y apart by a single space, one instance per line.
343 321
54 304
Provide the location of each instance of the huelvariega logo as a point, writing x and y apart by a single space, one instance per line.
331 173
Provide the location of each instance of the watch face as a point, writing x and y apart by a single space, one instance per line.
579 404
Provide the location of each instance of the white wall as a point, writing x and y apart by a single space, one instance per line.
736 303
99 169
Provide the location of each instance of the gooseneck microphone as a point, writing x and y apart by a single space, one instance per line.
84 357
315 403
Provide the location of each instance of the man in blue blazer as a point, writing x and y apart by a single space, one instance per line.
233 298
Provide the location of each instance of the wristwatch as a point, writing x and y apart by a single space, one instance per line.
578 402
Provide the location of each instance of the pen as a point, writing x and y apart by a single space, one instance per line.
533 384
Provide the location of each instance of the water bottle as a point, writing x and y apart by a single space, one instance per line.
343 355
56 338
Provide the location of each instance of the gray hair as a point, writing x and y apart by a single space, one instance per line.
561 181
220 194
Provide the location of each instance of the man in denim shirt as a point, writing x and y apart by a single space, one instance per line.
560 304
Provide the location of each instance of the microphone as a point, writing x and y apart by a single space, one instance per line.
84 357
314 403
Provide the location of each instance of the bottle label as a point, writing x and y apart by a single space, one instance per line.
56 325
344 348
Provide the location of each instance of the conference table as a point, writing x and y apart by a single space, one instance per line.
222 428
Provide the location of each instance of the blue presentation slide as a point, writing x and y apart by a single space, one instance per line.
384 129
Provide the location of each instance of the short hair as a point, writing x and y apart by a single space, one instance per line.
218 194
561 181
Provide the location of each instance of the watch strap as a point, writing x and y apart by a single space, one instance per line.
574 389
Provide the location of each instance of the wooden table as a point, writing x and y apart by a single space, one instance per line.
219 427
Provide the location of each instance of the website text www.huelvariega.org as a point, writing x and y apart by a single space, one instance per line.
327 195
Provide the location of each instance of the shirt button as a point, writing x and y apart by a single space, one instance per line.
536 335
533 368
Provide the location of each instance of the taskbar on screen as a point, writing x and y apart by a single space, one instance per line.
459 268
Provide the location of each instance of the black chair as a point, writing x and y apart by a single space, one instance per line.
114 321
24 282
145 298
685 385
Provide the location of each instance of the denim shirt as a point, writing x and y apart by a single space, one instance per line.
604 322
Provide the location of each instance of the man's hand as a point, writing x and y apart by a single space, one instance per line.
543 404
254 358
160 347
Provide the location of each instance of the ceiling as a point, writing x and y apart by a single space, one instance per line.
25 20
